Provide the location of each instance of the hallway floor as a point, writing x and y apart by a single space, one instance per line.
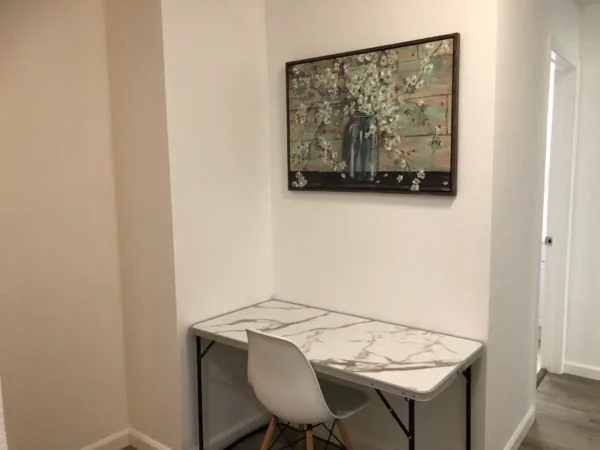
567 416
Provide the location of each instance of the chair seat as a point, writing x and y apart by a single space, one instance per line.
343 401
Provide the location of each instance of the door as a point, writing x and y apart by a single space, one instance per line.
557 210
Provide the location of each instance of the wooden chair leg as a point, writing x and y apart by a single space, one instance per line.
344 432
309 439
268 435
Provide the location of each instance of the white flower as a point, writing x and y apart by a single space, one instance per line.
429 45
304 149
445 183
421 103
403 163
414 187
360 58
386 73
300 181
295 70
369 56
344 175
324 143
421 174
323 114
400 178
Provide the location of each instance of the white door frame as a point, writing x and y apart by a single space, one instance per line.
561 179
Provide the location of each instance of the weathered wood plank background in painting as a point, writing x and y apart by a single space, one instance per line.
416 133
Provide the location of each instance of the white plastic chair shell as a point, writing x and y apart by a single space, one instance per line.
285 383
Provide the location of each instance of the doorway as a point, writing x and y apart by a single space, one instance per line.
556 223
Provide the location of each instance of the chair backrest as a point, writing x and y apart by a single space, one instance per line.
284 380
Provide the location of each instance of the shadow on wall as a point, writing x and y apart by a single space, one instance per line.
234 409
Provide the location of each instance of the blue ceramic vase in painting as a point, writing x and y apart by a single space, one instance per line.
360 148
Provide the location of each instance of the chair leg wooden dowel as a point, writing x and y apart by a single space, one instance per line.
309 439
344 432
269 435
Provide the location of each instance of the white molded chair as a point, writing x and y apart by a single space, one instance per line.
285 383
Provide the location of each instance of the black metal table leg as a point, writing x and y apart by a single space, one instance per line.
199 376
410 431
411 424
199 356
467 374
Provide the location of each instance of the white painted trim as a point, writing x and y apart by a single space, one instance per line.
582 370
141 441
229 435
521 432
115 441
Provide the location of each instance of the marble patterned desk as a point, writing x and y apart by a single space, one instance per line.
394 359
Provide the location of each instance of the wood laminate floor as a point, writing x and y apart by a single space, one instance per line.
567 415
253 442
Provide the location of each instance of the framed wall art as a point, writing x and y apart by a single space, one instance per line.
383 119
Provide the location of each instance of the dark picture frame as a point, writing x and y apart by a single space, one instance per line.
381 119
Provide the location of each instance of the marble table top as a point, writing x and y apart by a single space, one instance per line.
396 359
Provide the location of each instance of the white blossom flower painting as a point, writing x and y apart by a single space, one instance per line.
382 119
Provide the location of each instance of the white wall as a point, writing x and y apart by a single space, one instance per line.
215 71
139 128
519 157
562 23
583 333
61 338
420 261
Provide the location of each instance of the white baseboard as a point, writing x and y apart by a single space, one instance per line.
582 370
521 432
140 441
235 432
115 441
